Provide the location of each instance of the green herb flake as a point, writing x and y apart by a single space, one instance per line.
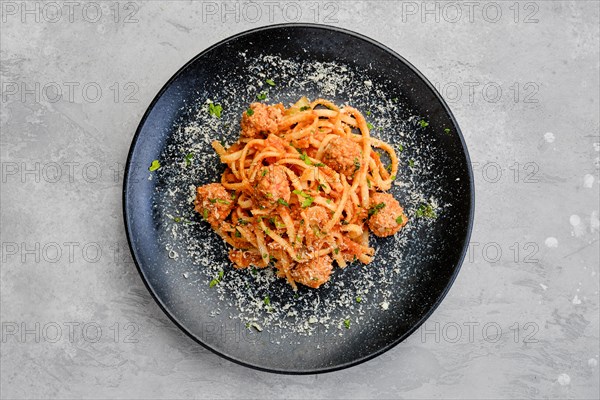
213 283
221 274
368 113
347 323
375 209
300 193
270 82
358 299
205 213
393 177
447 131
154 166
264 172
400 147
215 109
221 201
307 202
336 250
267 301
242 222
249 112
265 255
423 123
188 159
328 201
319 165
356 164
369 125
304 108
411 163
237 234
426 211
345 222
283 202
399 220
261 95
305 158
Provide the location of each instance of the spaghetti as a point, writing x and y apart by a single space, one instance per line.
303 188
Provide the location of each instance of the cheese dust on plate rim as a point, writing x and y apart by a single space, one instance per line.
254 296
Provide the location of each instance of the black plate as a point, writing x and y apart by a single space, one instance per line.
178 255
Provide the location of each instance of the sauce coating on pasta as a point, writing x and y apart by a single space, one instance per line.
302 189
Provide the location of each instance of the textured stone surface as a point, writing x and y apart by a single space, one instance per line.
520 323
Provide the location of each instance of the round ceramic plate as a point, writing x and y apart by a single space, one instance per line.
249 316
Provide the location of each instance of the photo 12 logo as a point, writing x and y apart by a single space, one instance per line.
270 11
469 11
54 12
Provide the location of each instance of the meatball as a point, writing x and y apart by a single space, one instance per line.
261 119
313 273
243 259
343 155
271 185
386 215
317 217
214 203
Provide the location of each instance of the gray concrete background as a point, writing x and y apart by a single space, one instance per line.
521 321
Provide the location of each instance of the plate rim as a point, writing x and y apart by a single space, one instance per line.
457 268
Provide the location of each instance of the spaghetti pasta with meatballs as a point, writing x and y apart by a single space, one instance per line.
303 188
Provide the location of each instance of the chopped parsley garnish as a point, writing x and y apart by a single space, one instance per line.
426 211
368 113
345 222
423 123
217 280
336 250
308 199
265 255
400 147
369 125
328 201
300 193
270 82
242 222
447 131
358 299
237 234
267 301
250 112
319 164
368 183
375 209
154 166
399 220
347 323
356 164
283 202
304 108
188 159
261 95
176 219
305 158
215 109
205 213
264 172
221 201
321 186
307 202
393 177
395 99
411 163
